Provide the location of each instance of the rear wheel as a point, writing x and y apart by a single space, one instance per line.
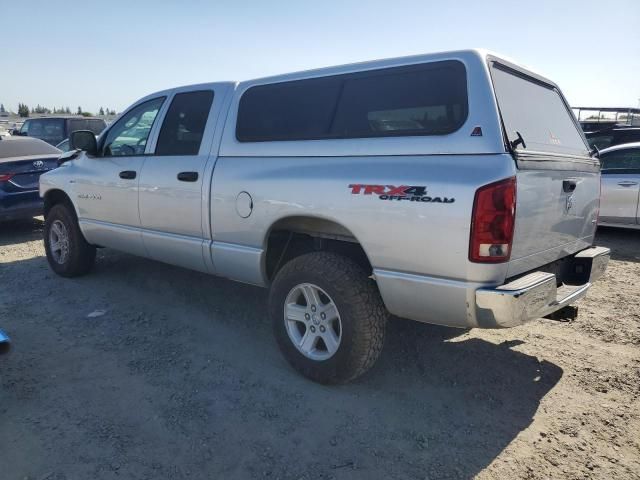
68 252
328 317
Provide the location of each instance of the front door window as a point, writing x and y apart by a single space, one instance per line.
129 135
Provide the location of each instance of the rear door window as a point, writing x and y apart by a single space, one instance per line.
537 112
427 99
184 123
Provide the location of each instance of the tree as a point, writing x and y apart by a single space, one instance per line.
101 111
2 110
23 110
79 111
41 110
67 110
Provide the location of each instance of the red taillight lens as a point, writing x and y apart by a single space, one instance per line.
492 221
5 177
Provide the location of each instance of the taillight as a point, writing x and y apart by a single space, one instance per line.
5 177
492 221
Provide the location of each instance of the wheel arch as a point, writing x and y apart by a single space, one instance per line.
56 196
295 235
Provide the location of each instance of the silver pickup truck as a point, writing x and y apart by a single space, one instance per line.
453 188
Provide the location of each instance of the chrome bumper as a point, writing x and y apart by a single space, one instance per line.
537 294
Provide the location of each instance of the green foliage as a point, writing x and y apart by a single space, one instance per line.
23 110
41 110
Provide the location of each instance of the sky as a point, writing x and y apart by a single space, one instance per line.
112 52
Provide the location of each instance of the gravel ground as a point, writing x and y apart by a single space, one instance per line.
181 378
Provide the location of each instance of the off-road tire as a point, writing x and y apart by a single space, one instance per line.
362 312
81 256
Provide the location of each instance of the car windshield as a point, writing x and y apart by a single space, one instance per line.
51 130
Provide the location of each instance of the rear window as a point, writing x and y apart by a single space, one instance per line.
537 112
426 99
51 130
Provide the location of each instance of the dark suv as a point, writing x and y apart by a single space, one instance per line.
54 130
608 137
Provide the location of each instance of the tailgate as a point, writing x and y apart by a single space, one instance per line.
558 183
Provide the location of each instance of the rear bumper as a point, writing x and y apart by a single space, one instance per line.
463 304
536 295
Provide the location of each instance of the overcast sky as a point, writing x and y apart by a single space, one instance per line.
112 52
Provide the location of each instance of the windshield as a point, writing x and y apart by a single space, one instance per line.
51 130
537 112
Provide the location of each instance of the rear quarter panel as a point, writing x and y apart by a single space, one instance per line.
425 238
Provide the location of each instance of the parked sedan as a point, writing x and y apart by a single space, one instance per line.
22 161
620 186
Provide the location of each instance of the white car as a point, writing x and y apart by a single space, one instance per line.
620 186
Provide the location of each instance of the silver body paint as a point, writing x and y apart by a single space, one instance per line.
418 251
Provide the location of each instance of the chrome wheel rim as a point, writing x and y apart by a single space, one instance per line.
59 242
312 322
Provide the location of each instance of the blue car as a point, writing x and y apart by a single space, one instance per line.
22 161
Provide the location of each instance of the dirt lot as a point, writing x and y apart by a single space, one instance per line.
181 378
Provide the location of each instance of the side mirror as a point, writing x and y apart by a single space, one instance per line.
16 132
84 140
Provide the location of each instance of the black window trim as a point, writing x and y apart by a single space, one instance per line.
105 133
418 67
173 97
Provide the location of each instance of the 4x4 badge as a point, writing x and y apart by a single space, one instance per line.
412 193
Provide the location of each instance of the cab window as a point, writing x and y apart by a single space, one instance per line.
184 123
129 135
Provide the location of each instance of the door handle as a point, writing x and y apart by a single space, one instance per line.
569 185
128 174
188 176
627 183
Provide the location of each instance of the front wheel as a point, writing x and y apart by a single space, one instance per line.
68 252
328 317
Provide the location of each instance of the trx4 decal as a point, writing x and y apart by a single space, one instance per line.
411 193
